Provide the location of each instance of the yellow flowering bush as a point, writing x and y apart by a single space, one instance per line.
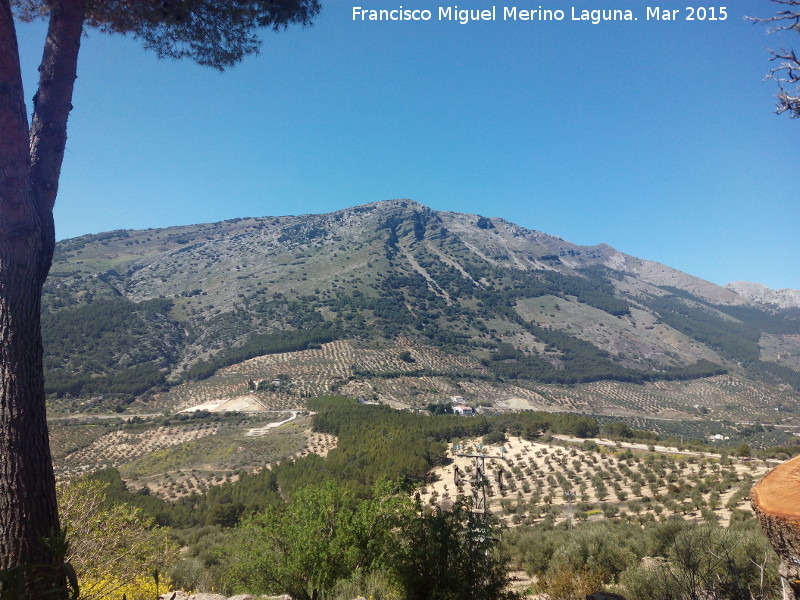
113 588
114 549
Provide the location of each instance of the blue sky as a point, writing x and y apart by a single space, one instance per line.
657 138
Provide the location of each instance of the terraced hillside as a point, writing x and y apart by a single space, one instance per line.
176 457
395 301
381 374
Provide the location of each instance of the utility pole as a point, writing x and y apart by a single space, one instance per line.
569 496
479 528
478 488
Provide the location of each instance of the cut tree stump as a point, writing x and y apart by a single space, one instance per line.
776 502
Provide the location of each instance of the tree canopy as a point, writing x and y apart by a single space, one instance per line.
322 536
209 32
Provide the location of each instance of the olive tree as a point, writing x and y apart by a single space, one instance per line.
706 562
215 33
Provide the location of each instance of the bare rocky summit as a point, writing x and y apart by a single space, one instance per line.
762 295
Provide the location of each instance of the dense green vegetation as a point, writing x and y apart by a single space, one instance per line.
322 536
377 442
686 561
110 346
736 338
621 430
326 543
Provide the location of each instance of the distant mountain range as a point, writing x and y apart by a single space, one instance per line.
129 314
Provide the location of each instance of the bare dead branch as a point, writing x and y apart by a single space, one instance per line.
787 73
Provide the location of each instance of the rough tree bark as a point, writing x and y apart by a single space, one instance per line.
30 164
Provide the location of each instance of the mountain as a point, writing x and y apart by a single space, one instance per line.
401 303
762 295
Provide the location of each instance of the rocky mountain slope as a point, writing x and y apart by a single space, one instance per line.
131 314
761 294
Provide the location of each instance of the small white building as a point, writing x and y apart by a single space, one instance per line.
462 410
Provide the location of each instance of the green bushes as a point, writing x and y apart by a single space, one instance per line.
671 560
451 555
325 542
323 535
705 561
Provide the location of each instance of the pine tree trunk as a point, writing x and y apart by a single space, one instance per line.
27 486
30 165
